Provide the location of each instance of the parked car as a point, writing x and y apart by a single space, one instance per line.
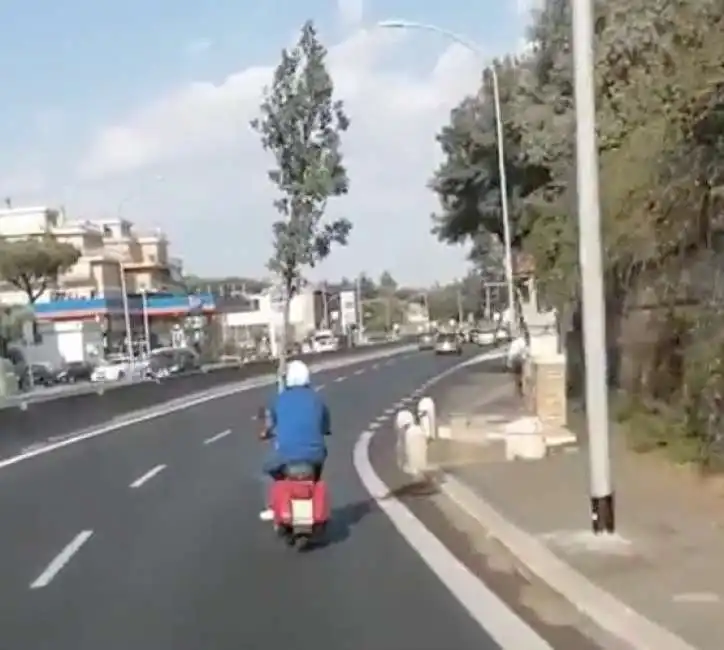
448 343
426 341
38 374
165 362
112 368
74 371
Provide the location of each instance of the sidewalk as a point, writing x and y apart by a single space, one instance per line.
665 563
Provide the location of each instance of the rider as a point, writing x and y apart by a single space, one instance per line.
298 421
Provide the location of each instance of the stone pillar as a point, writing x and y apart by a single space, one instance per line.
550 404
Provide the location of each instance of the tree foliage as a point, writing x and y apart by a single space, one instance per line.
660 123
301 126
32 264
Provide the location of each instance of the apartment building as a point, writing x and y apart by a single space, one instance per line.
108 248
85 307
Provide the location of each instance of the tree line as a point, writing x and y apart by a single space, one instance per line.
660 123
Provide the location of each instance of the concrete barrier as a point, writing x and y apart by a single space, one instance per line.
24 423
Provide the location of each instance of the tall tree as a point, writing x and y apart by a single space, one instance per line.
301 125
32 264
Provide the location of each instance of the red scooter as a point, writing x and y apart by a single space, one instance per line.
299 500
300 504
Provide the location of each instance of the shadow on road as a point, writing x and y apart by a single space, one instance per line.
343 520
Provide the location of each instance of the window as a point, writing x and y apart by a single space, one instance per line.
107 232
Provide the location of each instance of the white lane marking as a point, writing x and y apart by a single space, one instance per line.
374 426
389 411
60 560
319 387
494 616
147 476
361 371
218 436
191 401
381 418
375 366
491 613
336 381
174 406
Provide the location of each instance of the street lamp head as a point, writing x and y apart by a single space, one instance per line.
393 24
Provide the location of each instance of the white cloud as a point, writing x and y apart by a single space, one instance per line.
390 152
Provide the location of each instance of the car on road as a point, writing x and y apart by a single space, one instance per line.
448 343
426 341
74 371
117 368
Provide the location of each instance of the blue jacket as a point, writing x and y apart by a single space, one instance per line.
300 422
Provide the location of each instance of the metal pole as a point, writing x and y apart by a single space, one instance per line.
325 308
360 310
127 316
146 323
507 237
594 310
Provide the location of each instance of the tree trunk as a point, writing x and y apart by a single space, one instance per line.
282 366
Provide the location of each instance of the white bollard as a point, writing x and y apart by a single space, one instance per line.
416 450
403 421
428 420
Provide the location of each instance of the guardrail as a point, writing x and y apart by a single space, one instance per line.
37 419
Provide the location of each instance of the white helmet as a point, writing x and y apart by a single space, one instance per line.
298 374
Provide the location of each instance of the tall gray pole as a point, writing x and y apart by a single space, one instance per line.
507 239
594 310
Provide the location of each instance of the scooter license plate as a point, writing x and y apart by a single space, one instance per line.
302 512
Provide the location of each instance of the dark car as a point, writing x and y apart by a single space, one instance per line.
36 374
74 371
173 361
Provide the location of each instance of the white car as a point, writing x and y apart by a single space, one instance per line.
113 369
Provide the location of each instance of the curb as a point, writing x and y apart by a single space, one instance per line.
599 605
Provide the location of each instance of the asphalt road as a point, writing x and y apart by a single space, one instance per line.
181 560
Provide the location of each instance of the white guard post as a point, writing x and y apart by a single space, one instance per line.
428 420
403 421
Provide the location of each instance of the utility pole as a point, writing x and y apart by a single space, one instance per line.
590 245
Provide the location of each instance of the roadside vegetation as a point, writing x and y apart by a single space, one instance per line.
660 102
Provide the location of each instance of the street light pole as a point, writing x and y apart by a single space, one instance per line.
589 236
507 237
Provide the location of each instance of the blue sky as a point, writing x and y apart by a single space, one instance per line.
102 98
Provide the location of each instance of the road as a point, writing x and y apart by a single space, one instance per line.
149 538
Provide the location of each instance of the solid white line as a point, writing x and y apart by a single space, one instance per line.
491 613
61 560
499 621
218 436
147 476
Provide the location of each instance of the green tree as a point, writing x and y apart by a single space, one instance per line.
387 283
32 264
660 119
301 125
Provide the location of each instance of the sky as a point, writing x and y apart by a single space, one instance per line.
142 109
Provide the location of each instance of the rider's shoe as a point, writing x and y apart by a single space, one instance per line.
266 515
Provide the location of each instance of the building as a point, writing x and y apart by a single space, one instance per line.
108 248
246 319
121 275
